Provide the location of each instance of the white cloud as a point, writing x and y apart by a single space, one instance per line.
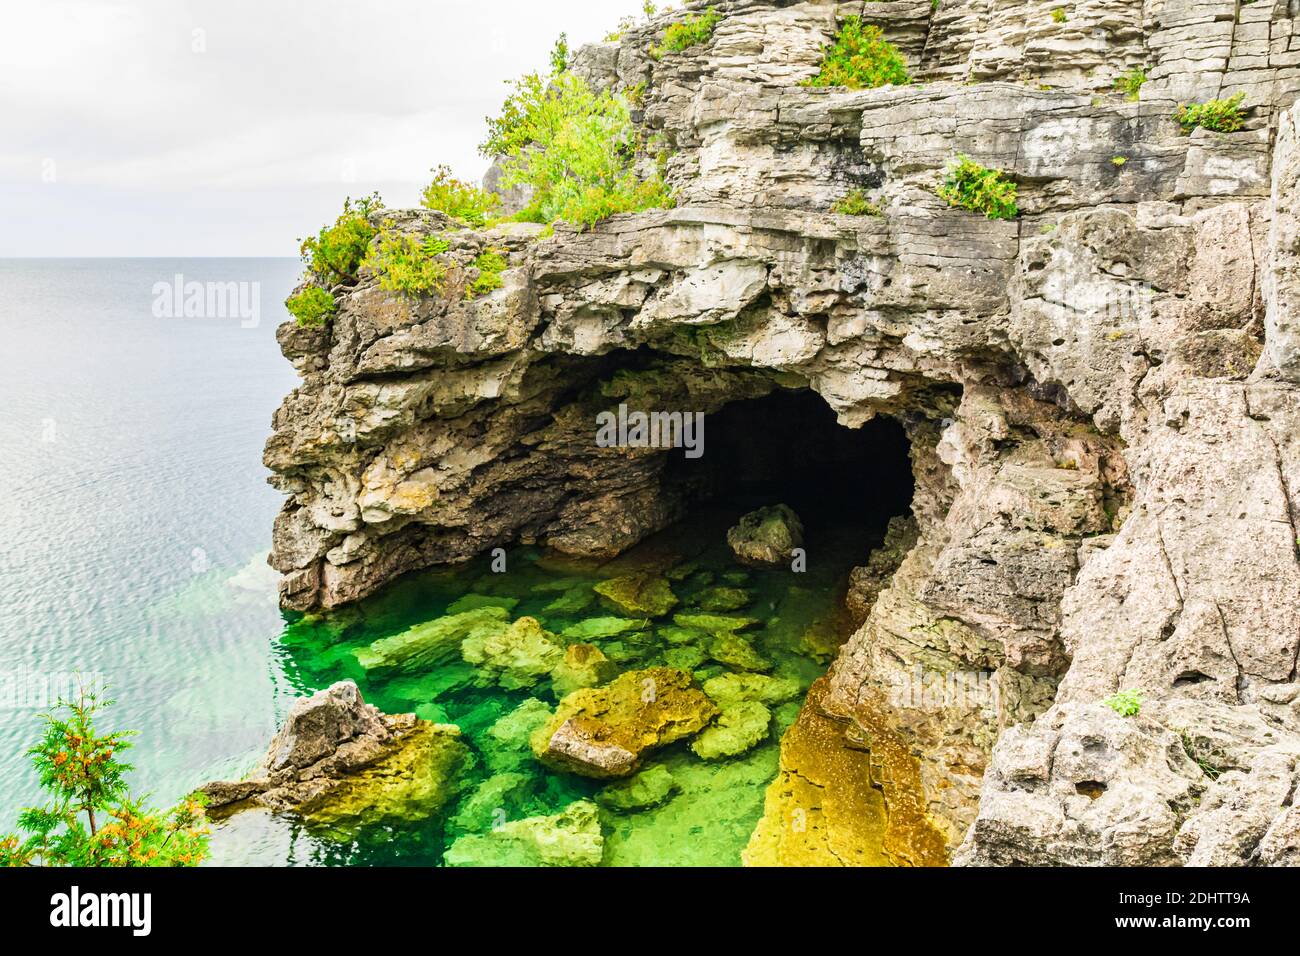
207 128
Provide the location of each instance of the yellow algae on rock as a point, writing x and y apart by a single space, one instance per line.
603 731
517 656
644 593
413 782
824 807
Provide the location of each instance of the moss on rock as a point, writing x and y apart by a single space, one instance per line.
741 727
569 838
604 731
414 782
583 665
645 593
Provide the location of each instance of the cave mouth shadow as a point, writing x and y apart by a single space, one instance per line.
787 448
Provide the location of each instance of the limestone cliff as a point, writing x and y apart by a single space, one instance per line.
1103 395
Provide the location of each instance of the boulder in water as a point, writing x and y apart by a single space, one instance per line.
766 537
339 762
603 732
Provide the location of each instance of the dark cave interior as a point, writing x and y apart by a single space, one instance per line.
787 447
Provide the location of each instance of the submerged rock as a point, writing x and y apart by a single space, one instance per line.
505 745
649 788
678 636
767 536
596 628
730 689
645 593
741 726
574 600
429 644
569 838
604 731
680 572
714 623
338 762
734 651
707 821
472 602
722 599
687 657
584 665
495 796
519 655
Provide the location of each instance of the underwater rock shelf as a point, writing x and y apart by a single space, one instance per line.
629 713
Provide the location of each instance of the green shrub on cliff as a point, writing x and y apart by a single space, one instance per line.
560 54
574 148
463 201
856 203
979 189
684 34
490 263
1126 703
1130 83
92 819
861 58
335 253
406 263
1222 116
312 307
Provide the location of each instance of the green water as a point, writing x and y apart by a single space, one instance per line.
707 821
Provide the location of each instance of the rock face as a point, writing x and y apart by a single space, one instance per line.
1102 397
338 762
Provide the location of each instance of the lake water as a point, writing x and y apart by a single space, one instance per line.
135 513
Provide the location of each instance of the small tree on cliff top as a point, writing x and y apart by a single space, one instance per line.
92 819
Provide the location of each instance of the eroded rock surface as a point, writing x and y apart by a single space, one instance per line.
766 537
604 731
1101 397
338 762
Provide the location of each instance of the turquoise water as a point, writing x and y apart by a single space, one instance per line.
717 803
136 518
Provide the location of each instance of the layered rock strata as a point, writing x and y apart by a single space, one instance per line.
1101 395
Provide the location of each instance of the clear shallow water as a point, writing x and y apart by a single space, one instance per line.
134 511
711 816
135 520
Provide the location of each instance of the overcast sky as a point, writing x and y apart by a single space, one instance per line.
233 127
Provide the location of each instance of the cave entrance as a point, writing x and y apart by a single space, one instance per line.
787 447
